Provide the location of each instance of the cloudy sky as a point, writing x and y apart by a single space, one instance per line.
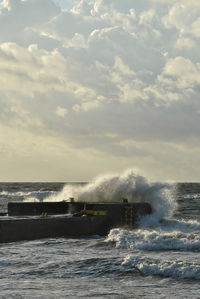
98 86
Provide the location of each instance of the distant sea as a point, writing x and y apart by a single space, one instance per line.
160 259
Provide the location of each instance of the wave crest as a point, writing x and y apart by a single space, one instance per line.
130 185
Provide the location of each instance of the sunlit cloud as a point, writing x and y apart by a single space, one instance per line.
111 78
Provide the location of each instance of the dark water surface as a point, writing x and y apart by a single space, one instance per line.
161 259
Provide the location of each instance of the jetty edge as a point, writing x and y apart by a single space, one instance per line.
36 220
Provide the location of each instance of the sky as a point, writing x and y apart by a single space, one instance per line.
99 86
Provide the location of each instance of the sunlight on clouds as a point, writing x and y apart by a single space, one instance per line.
146 17
86 106
184 15
123 68
182 73
78 41
30 70
184 43
60 111
108 78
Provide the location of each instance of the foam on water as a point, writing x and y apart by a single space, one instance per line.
173 268
158 231
154 239
26 195
130 185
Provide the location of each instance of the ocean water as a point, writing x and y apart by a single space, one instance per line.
160 259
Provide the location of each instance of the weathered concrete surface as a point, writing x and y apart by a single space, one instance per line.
87 219
61 226
63 207
37 208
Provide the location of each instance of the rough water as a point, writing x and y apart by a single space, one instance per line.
160 259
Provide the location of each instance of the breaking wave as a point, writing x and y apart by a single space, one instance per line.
174 268
157 239
130 185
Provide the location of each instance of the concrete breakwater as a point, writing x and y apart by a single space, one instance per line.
34 220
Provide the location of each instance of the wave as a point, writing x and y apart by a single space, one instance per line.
184 236
130 185
176 269
32 196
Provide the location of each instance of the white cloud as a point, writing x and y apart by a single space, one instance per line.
146 17
27 70
181 73
184 15
82 7
196 28
17 15
108 77
60 111
185 43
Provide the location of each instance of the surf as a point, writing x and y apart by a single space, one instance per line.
129 185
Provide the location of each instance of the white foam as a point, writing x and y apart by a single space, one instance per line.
177 269
31 199
155 239
37 196
130 185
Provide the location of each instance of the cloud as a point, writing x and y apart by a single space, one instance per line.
16 16
181 74
106 77
184 16
60 111
146 17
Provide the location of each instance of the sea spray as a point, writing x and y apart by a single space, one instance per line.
129 185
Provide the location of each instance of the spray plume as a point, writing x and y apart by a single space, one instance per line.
130 185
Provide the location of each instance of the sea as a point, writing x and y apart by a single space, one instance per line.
159 259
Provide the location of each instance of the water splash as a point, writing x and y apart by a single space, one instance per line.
130 185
